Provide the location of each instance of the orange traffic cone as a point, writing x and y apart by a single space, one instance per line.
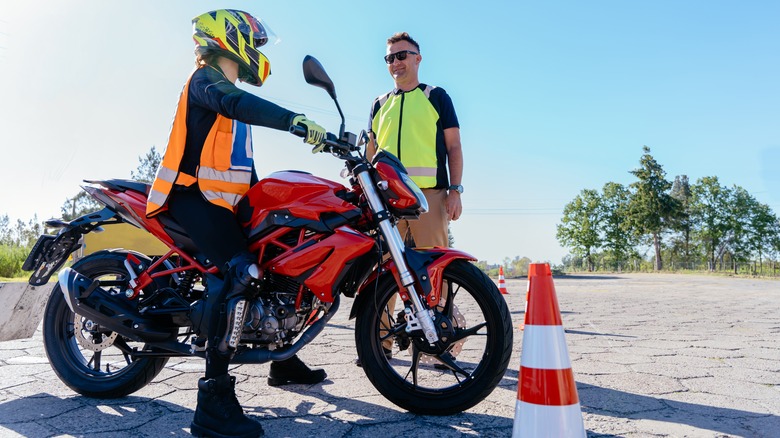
521 326
547 401
501 282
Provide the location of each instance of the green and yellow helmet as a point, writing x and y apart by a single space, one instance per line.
238 36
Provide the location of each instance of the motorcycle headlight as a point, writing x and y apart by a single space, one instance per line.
402 196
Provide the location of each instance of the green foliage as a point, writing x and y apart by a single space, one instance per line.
147 166
516 267
709 216
21 234
651 209
700 226
11 260
580 226
79 205
618 241
15 243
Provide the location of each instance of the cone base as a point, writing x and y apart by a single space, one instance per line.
548 421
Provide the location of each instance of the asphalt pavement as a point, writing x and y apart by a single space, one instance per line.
653 355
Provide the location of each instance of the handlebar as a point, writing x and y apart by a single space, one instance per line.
331 142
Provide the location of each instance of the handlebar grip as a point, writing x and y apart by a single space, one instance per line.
330 140
298 130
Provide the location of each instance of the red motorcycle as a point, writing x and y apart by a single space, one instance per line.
116 316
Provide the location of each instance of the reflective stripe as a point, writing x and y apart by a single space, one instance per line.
235 176
421 171
157 198
544 347
547 421
231 198
166 174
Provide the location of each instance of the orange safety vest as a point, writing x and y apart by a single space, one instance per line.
225 169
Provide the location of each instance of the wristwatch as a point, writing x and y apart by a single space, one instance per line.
457 187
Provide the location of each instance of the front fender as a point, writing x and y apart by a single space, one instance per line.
427 265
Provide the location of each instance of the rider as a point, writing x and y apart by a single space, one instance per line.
206 168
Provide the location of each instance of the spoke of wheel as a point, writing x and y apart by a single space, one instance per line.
451 294
95 361
122 346
465 333
415 364
449 360
392 333
390 320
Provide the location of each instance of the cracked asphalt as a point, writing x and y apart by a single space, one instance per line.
653 355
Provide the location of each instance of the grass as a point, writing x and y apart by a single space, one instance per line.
14 279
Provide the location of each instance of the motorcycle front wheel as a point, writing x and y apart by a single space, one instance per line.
89 359
475 328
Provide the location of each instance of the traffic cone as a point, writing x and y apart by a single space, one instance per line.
547 401
521 326
501 282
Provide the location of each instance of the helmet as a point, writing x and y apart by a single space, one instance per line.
236 35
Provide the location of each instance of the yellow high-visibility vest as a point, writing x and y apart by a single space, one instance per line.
405 126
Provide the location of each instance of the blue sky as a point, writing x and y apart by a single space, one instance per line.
553 97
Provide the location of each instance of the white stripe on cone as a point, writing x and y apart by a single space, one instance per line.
544 347
535 421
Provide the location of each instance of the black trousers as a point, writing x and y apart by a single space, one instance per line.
214 229
217 233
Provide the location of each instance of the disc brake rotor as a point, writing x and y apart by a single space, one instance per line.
459 321
88 337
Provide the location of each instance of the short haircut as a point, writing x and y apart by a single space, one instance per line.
403 36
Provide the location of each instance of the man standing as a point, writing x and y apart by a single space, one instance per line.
417 123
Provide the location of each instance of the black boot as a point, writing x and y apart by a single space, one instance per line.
219 414
293 370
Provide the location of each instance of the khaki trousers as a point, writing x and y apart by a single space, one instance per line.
430 230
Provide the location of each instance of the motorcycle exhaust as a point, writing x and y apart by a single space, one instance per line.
112 311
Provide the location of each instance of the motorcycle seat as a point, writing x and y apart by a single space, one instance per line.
123 185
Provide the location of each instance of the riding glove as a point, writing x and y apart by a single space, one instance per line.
315 134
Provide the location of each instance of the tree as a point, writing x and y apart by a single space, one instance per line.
617 241
651 208
78 205
774 243
708 216
580 225
6 236
761 231
147 167
739 211
681 191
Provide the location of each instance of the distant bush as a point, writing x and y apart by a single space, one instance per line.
11 260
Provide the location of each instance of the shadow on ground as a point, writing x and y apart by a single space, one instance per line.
44 415
620 404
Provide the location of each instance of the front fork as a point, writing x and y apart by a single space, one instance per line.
397 249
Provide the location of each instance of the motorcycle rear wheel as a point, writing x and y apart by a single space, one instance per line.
91 360
415 377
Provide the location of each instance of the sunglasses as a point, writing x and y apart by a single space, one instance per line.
401 55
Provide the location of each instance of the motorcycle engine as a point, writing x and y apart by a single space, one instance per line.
273 320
